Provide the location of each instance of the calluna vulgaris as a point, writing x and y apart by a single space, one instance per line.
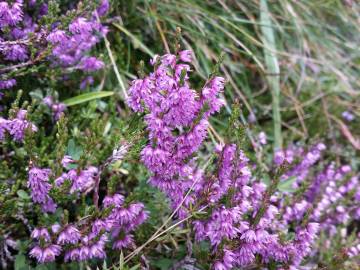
27 41
246 222
250 218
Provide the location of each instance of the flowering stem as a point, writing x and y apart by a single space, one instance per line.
265 202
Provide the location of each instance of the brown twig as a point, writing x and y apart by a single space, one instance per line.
41 56
161 32
14 42
118 154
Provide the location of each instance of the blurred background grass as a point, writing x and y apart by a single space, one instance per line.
291 64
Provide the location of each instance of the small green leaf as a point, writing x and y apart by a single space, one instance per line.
87 97
286 185
73 150
135 267
266 179
48 266
163 263
20 262
122 261
72 166
23 194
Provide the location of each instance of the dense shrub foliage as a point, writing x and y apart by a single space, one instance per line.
166 169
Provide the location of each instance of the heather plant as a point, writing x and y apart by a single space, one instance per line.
40 34
214 156
247 222
55 185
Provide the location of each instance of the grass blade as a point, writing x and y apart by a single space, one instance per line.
86 97
272 68
134 39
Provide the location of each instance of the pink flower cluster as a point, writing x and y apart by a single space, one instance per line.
246 222
16 127
82 181
177 119
83 241
40 186
79 240
57 108
70 45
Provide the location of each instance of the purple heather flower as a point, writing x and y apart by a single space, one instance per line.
348 116
252 118
90 64
84 253
66 160
103 7
17 33
121 221
301 170
81 26
219 266
97 250
17 126
3 127
177 121
85 180
72 255
245 254
58 109
262 138
173 106
57 36
71 175
49 205
221 225
55 228
71 49
125 242
279 157
46 254
80 182
229 259
117 200
16 53
185 56
168 60
98 225
303 240
41 233
37 252
10 15
48 101
7 84
39 184
43 9
249 236
89 80
354 251
70 235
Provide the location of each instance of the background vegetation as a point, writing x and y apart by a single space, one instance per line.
292 65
